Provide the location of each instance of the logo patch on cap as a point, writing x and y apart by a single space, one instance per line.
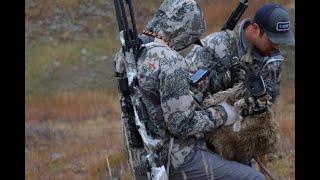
283 26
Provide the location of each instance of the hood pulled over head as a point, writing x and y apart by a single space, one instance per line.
180 21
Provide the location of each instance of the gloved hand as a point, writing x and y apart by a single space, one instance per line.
265 98
256 106
232 113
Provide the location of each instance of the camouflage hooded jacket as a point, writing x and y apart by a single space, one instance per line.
220 49
162 72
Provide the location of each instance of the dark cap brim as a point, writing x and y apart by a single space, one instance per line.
281 38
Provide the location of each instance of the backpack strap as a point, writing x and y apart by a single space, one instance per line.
145 40
150 96
233 46
272 59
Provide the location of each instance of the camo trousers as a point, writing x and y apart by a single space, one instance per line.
208 165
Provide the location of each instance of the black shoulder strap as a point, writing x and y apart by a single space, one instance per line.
233 45
144 39
150 96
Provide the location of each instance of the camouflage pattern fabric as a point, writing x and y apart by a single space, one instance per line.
223 48
162 73
180 21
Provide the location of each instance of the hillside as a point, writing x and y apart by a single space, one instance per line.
70 44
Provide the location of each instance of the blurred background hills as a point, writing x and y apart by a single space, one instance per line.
70 43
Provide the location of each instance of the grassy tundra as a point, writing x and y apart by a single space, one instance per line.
72 127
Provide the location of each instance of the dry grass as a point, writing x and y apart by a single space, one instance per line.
69 135
80 131
77 149
282 163
60 145
72 106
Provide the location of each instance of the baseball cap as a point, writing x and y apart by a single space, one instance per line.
275 22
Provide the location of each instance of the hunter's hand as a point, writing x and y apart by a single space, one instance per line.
232 113
265 98
203 84
257 106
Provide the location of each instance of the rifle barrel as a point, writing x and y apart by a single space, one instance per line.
235 15
126 26
119 15
133 21
135 42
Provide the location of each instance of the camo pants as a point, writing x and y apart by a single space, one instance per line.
208 165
